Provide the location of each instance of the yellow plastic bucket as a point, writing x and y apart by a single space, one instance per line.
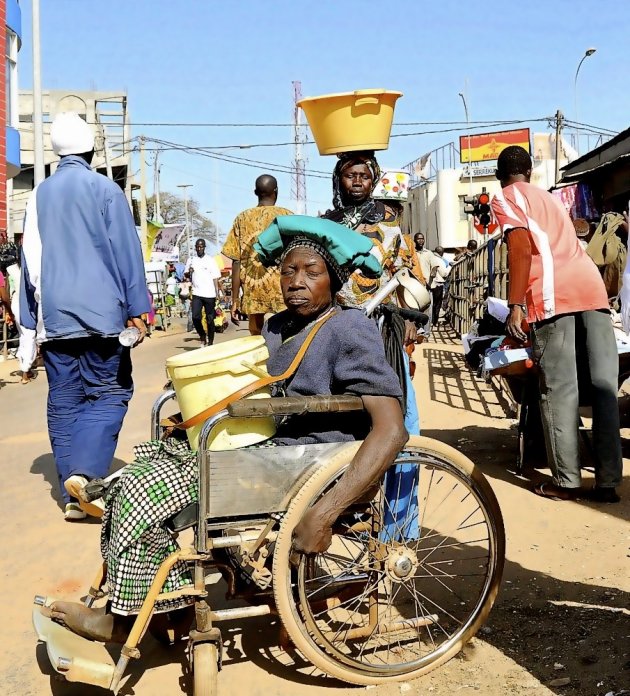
205 376
351 121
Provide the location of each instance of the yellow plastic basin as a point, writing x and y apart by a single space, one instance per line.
205 376
351 121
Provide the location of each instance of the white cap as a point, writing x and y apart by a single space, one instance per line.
70 134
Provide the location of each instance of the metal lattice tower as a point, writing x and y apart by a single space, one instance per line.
298 178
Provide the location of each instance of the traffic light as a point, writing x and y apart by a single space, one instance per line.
483 209
470 205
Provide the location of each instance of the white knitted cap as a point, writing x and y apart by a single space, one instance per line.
70 134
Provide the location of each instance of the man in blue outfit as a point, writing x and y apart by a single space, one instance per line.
82 283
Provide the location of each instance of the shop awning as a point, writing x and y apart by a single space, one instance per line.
613 151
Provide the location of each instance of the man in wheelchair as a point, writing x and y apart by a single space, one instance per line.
346 356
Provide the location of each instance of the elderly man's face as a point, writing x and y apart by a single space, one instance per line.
419 241
357 183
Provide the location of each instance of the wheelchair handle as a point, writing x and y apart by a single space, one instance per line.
294 405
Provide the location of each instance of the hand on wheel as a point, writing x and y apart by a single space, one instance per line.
312 534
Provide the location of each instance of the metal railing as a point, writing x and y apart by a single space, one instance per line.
473 278
6 343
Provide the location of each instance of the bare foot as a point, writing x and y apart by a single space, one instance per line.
88 623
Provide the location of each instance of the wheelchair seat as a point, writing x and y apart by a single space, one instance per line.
183 519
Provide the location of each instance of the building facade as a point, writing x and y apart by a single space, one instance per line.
105 111
9 135
436 206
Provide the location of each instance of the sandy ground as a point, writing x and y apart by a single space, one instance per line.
563 611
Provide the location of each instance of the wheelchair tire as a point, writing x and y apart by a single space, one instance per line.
205 669
330 631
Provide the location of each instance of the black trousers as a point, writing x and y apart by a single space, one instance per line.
438 296
207 303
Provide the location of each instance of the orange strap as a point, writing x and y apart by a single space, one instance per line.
258 384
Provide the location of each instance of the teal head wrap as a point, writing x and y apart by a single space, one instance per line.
348 250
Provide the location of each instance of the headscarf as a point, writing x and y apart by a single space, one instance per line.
370 212
345 251
338 273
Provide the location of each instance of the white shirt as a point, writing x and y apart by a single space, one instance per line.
428 261
441 272
204 272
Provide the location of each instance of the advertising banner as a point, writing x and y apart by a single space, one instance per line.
487 146
165 243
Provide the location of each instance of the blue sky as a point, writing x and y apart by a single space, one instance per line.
233 62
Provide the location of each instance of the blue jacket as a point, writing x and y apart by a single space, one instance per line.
82 270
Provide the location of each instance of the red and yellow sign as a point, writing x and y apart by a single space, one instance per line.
487 146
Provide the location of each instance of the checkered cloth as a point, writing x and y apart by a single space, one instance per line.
160 483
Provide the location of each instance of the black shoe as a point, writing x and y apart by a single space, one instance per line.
602 495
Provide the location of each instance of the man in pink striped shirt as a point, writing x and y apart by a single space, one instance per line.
557 287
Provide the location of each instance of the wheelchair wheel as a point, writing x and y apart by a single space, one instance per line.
205 660
407 580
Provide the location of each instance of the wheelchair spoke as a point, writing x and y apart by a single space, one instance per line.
416 562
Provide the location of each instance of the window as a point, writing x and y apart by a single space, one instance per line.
11 76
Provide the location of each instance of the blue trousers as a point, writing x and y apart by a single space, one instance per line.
89 388
400 520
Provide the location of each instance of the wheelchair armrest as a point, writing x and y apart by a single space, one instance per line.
294 405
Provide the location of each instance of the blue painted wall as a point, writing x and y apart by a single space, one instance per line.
13 152
14 18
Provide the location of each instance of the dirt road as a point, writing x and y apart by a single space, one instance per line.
563 611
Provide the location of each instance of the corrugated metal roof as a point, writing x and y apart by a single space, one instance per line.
613 150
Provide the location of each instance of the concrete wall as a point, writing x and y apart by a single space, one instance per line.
85 103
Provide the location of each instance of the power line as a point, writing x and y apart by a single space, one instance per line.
198 124
212 148
233 159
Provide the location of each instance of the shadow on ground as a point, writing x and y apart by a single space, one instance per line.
539 622
44 466
452 383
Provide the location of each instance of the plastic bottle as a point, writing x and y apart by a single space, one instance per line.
128 337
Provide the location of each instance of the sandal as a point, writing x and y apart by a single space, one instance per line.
602 495
552 492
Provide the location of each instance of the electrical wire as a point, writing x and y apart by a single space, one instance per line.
197 124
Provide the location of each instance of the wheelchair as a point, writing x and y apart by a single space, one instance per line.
410 576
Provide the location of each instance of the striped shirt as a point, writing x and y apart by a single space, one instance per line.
562 278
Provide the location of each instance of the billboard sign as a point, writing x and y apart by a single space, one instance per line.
165 243
487 146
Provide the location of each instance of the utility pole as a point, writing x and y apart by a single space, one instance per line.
298 183
108 161
143 200
157 212
559 119
39 170
185 188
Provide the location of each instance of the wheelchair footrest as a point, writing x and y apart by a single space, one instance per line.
77 659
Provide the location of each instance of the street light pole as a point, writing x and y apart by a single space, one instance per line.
470 176
587 53
185 188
